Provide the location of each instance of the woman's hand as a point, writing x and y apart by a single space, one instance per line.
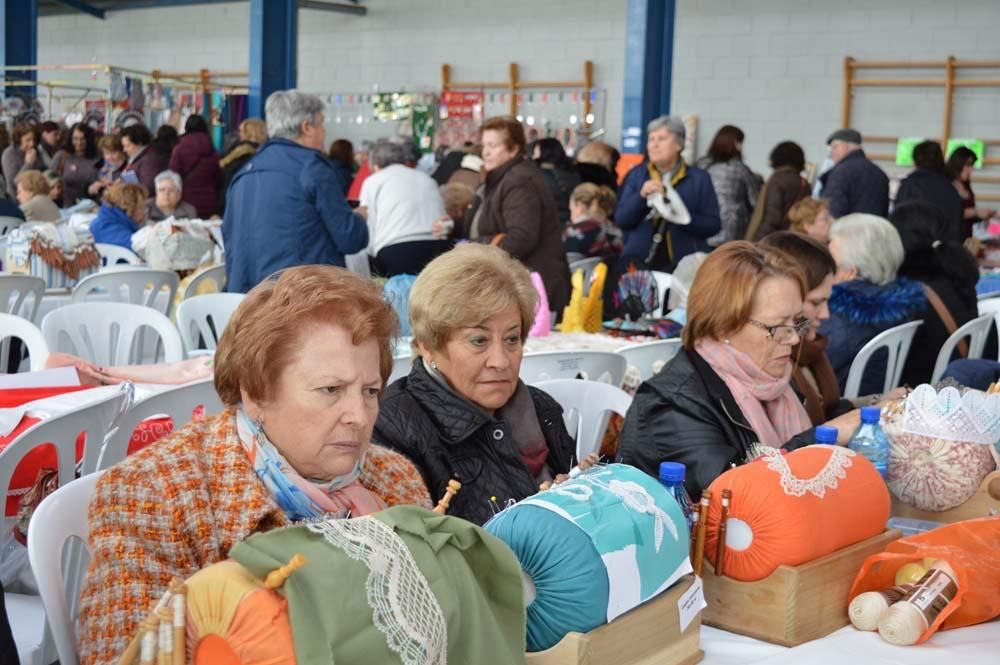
442 227
95 187
985 213
845 424
651 187
30 157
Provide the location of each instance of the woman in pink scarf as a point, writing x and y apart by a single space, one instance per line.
727 392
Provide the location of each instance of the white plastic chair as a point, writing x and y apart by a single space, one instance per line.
664 280
176 403
977 330
60 519
15 289
107 333
401 366
206 317
587 265
138 286
586 405
604 366
8 224
897 342
644 357
113 254
216 274
991 306
30 336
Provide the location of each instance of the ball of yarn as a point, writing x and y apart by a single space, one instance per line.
866 610
902 625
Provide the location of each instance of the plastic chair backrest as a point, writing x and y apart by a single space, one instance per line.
30 336
215 274
991 306
977 330
645 356
897 342
585 409
106 333
401 366
587 265
206 317
8 224
176 403
603 366
59 520
664 280
138 286
15 289
114 254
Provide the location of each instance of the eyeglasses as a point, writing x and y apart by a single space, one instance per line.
783 333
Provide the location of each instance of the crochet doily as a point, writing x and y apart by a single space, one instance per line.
833 472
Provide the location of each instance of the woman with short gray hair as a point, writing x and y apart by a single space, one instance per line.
868 297
667 208
167 201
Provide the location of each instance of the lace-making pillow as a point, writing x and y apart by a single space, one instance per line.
788 509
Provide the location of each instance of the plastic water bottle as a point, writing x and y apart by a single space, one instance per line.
869 439
672 477
826 435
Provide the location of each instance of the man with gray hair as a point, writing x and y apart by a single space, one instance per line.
855 183
401 204
285 207
666 208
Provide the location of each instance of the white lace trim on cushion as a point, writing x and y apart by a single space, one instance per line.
403 607
827 478
639 500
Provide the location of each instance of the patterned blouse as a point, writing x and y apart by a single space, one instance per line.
178 506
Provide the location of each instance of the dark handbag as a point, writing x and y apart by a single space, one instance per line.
45 484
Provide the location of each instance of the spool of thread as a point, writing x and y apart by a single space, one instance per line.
867 608
904 622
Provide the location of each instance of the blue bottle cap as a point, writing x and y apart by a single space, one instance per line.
870 414
826 434
672 472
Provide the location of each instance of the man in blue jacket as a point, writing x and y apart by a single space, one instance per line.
650 240
285 207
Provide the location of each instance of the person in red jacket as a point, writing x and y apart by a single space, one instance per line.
197 162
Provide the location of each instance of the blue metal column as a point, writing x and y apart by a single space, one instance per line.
649 56
273 50
20 41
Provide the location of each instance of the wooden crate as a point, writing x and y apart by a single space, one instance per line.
984 503
794 604
648 635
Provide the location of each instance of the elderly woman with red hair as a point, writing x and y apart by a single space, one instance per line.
300 368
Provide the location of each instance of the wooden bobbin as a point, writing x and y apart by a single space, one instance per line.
277 577
442 506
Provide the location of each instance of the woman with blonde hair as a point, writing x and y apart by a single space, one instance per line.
122 214
591 231
812 217
299 367
253 134
462 413
728 391
33 197
596 163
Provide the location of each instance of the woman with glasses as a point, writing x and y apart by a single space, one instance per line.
727 392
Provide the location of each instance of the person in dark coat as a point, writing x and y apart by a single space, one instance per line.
783 189
869 297
342 157
727 392
855 183
143 160
933 257
559 173
515 210
284 208
253 134
22 153
462 413
930 183
650 240
198 163
596 162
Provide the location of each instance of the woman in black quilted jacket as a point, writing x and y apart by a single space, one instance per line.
462 413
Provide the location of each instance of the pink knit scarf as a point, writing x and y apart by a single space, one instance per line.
769 404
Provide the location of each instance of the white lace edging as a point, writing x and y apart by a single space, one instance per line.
827 478
403 607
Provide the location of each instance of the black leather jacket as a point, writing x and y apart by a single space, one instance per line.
687 414
447 437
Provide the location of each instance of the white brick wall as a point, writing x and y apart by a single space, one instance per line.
400 44
775 68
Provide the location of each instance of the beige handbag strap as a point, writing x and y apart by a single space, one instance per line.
946 318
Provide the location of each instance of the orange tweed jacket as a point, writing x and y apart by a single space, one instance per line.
178 506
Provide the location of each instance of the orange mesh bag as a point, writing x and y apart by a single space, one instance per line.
788 509
971 548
